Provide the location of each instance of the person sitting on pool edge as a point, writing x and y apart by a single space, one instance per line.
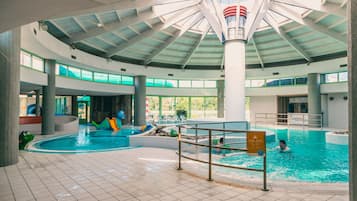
283 147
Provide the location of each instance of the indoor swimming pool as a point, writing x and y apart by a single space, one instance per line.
311 159
86 141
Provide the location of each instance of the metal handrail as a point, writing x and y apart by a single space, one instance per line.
295 119
210 147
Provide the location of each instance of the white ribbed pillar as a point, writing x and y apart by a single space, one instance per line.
234 65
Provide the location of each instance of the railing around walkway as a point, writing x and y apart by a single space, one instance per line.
289 119
219 142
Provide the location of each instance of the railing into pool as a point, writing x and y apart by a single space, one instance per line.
222 141
290 119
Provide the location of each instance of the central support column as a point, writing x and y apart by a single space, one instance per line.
234 65
234 62
140 101
49 99
9 96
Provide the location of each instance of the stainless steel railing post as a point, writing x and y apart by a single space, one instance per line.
210 155
179 149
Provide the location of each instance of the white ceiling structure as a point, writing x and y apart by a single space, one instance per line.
187 34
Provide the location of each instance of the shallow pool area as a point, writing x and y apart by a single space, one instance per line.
311 159
86 141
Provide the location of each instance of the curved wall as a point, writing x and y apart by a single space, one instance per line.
44 44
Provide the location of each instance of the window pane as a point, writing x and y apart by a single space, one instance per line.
272 83
257 83
343 77
74 73
149 82
87 75
114 79
168 108
127 80
197 84
333 77
210 84
286 81
62 70
185 83
197 107
182 107
100 77
159 83
37 63
153 108
25 59
247 83
171 83
211 107
301 80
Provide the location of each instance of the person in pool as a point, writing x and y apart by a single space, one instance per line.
283 147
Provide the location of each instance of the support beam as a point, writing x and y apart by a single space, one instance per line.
212 19
293 15
193 49
9 93
352 96
162 47
220 98
74 106
314 97
38 105
270 20
49 99
149 33
259 11
258 53
140 100
330 8
79 36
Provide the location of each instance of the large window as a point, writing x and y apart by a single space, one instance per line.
74 73
87 75
332 77
210 107
114 79
168 107
197 108
37 63
25 59
183 105
100 77
153 108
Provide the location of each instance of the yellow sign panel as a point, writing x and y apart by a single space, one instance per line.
256 143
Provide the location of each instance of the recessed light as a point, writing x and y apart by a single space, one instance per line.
99 25
170 74
123 69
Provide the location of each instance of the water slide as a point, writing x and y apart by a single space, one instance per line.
113 124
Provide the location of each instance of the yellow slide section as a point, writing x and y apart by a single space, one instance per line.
113 124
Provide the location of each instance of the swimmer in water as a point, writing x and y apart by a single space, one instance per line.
283 147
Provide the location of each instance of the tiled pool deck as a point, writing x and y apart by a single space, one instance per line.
135 174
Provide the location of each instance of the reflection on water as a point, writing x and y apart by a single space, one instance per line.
82 138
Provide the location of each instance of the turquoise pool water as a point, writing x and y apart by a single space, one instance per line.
311 159
85 141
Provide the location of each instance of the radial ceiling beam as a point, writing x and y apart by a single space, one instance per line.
258 53
316 5
148 33
258 12
293 15
123 5
160 48
212 19
79 36
193 49
270 20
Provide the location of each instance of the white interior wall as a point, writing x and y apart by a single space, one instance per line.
262 104
337 111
